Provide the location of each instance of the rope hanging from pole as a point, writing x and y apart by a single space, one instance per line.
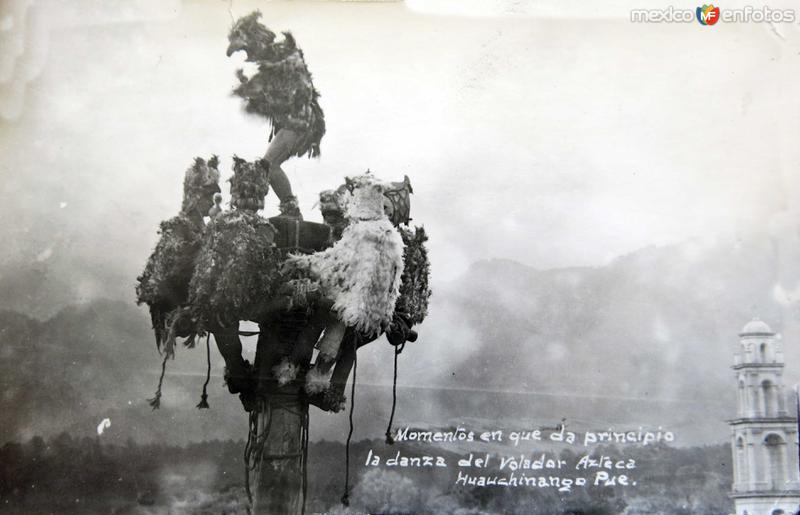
155 402
254 447
204 398
389 439
346 496
304 440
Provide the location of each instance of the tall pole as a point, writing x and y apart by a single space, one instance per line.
279 478
278 440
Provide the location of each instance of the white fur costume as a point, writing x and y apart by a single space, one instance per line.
361 272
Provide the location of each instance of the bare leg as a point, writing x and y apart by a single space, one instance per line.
280 149
330 344
280 183
342 370
304 346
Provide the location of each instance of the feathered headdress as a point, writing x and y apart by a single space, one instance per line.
200 183
398 195
250 35
237 263
366 202
249 184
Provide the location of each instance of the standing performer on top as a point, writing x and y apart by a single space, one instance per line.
283 93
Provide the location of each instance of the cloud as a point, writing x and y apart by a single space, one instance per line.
25 27
23 51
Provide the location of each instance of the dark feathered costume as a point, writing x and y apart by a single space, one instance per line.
237 264
412 304
282 90
164 283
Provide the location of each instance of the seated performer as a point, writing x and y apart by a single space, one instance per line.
281 92
360 274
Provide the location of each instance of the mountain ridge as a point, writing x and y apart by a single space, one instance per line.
646 339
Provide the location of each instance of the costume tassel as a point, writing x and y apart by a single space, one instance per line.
155 401
204 398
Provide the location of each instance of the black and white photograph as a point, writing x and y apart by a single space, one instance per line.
463 257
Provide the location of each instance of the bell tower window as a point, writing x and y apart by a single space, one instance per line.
776 467
770 407
740 461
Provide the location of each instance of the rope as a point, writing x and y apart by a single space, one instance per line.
346 496
389 439
304 440
255 442
239 333
204 398
246 459
155 402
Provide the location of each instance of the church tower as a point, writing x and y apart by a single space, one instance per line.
763 434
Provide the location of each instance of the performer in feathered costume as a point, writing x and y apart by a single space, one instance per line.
360 273
164 283
237 263
283 93
412 303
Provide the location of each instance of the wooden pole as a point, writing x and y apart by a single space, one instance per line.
281 427
278 485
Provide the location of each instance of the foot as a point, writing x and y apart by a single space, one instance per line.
290 209
329 400
249 401
240 380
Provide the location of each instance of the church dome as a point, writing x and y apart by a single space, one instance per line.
756 327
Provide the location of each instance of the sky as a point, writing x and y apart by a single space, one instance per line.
540 132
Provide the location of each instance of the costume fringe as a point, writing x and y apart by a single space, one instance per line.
155 401
285 372
316 381
204 398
